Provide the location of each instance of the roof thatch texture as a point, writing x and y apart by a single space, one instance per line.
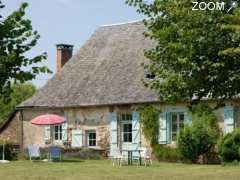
106 70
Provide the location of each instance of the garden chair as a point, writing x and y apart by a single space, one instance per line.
118 158
55 153
34 152
145 155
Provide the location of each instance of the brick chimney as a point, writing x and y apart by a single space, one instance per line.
64 53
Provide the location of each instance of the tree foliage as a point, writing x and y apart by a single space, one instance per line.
17 38
197 53
20 92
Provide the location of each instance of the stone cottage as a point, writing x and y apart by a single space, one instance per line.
99 89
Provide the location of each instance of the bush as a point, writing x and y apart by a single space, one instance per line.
83 153
197 141
10 150
69 153
168 154
229 147
187 144
23 156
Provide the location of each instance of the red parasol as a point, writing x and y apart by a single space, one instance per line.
48 119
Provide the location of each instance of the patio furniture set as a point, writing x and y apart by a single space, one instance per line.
143 157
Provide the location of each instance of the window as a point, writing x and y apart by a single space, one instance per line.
177 122
91 138
150 76
126 127
127 132
125 117
58 132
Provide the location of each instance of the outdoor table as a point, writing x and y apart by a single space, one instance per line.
130 155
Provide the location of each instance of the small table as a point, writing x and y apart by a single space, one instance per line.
130 155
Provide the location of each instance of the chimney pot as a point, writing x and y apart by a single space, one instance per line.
64 53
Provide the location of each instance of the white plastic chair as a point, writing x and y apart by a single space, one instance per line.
145 155
34 152
118 157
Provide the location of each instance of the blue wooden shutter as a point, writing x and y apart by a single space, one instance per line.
228 119
135 128
169 125
113 134
64 132
163 137
187 117
47 134
77 138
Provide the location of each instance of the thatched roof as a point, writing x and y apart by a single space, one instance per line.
106 70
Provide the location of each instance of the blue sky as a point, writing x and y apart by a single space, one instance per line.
69 21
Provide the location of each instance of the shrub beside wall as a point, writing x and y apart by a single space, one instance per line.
197 141
84 153
70 153
167 154
11 150
229 147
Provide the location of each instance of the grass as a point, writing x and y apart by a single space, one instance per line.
103 170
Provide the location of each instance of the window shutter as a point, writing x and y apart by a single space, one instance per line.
113 134
228 119
47 134
77 138
64 132
168 123
163 124
135 128
187 117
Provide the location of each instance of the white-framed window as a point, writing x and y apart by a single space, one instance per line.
58 132
126 127
127 132
177 122
91 138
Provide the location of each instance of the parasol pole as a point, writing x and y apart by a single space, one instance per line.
3 154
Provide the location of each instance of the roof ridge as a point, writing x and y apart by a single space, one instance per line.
122 23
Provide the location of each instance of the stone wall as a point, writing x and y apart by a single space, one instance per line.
103 136
12 130
33 134
92 118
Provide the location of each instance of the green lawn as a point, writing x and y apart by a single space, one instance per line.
103 169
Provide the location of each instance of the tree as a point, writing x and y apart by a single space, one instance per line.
20 92
17 37
197 53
